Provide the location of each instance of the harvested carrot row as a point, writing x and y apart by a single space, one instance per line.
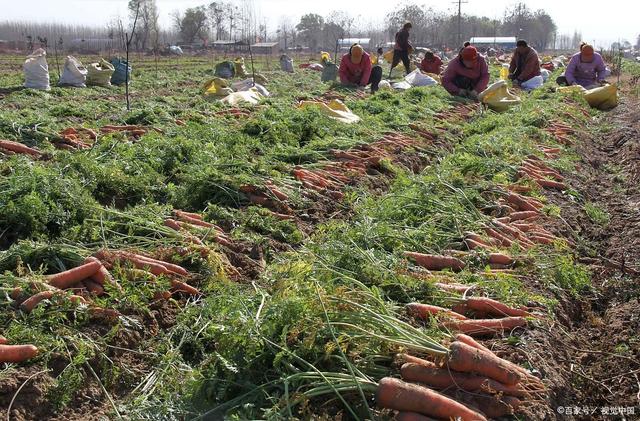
424 311
396 394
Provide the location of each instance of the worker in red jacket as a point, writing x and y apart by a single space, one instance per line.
402 49
356 69
466 75
431 63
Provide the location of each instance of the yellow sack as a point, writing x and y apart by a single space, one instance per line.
252 96
324 56
603 98
334 109
498 97
216 87
388 56
571 89
238 64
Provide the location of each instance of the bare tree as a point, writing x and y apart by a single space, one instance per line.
147 30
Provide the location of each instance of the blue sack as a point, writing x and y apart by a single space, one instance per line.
119 77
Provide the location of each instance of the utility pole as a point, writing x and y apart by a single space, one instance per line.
459 38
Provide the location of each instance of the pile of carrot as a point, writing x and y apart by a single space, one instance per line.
436 262
233 112
560 131
9 147
75 138
189 223
269 196
16 353
536 170
134 131
469 383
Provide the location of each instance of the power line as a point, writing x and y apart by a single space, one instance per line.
460 3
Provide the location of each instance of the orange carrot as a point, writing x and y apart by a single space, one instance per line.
518 216
172 267
70 277
396 394
500 259
435 262
18 148
550 184
540 239
30 303
443 378
467 359
519 201
93 287
194 221
474 245
184 287
461 288
406 358
17 353
494 307
423 311
277 193
188 214
504 241
172 223
482 327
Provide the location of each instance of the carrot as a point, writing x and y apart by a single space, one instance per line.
17 353
435 262
18 148
467 359
194 221
540 239
93 287
494 307
172 267
473 244
3 340
406 358
520 202
69 277
443 378
277 193
184 287
412 416
504 241
482 327
500 259
423 311
550 184
189 214
475 237
172 223
30 303
396 394
518 216
153 267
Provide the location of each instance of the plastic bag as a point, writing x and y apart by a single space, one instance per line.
498 97
36 71
240 69
216 87
401 86
120 76
225 70
74 73
246 84
175 50
603 98
329 73
99 74
417 78
251 96
533 83
545 74
286 63
334 109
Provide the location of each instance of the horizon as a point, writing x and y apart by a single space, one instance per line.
81 12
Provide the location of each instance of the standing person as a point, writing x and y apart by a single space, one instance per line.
431 63
524 69
402 49
356 69
585 68
466 75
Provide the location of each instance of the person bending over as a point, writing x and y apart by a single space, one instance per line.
466 75
524 69
356 69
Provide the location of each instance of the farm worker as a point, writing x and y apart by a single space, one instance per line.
524 69
466 75
586 69
402 49
377 58
431 63
356 69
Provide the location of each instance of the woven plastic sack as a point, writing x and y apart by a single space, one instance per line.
498 97
251 96
225 70
417 78
119 76
74 73
240 69
335 109
36 71
286 63
99 74
602 98
329 72
216 87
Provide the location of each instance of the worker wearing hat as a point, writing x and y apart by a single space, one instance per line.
356 69
431 63
524 69
467 75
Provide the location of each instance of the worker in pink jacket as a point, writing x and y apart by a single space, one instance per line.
466 75
586 69
356 69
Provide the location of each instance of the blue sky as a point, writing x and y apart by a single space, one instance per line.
602 22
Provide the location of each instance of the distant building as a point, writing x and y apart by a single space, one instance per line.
265 48
494 42
346 43
229 46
